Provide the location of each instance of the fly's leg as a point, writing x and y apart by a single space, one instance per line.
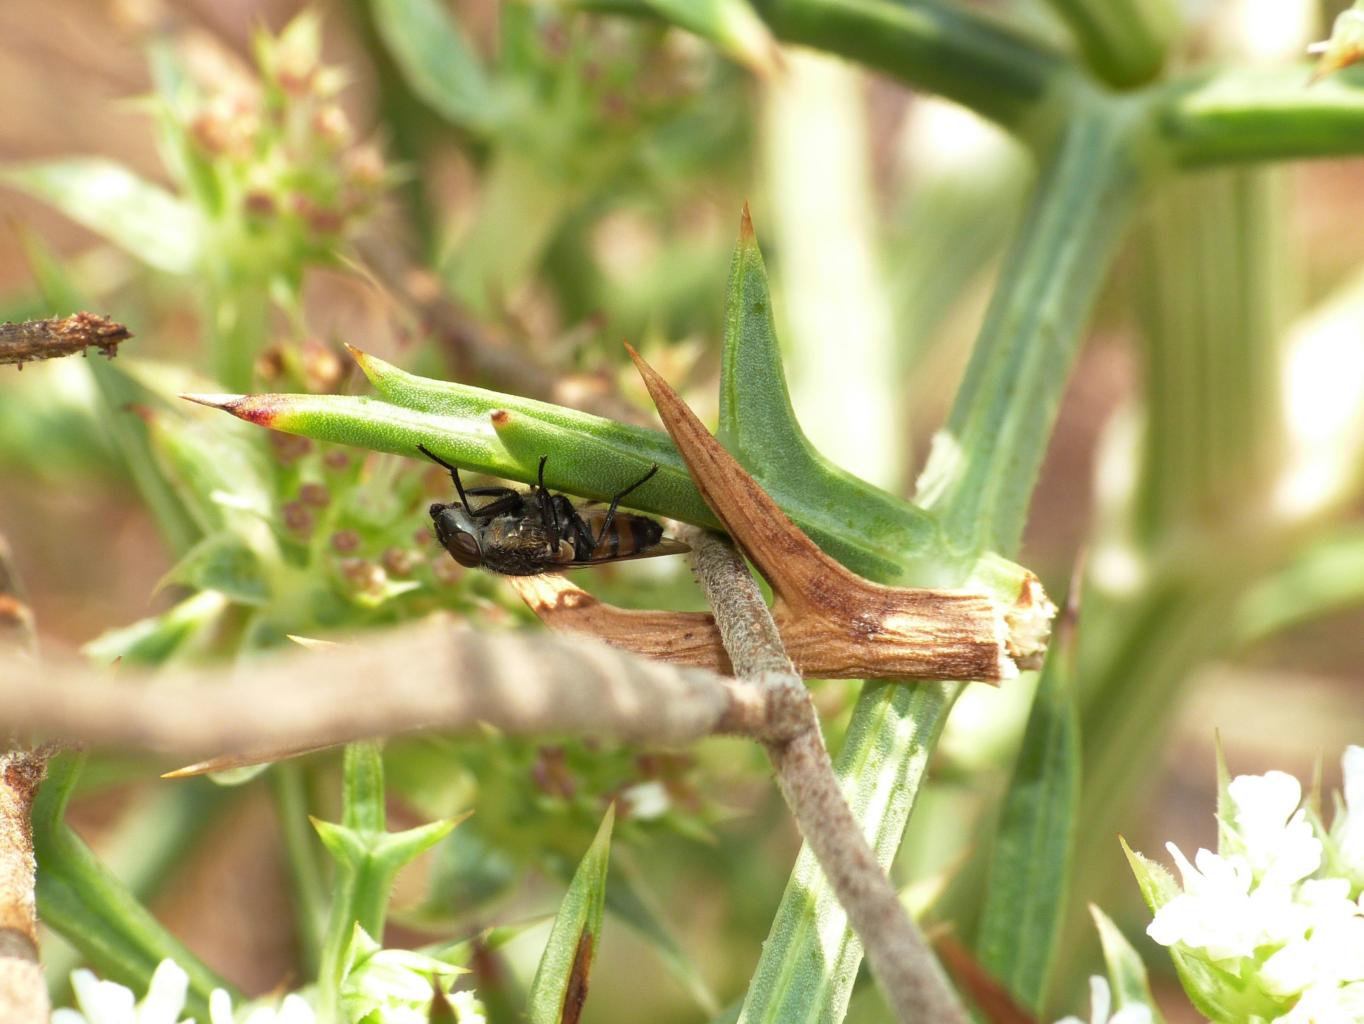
506 503
574 526
549 515
611 512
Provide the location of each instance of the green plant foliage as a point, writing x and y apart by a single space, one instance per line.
438 61
368 859
561 980
592 143
1030 866
1126 972
140 218
93 910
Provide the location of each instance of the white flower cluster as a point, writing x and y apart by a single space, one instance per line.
1101 1003
391 991
107 1002
1273 923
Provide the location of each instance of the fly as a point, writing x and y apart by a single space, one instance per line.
525 533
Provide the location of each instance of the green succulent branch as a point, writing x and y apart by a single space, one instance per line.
947 49
873 532
1124 42
980 474
1245 115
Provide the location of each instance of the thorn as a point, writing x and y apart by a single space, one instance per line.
212 401
745 224
258 409
361 357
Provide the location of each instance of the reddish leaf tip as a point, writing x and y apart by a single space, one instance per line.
500 418
745 224
258 409
361 357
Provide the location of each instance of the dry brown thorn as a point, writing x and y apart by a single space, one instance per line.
683 638
834 623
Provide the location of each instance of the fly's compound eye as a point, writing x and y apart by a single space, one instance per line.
464 549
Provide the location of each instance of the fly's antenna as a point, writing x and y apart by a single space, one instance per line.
454 473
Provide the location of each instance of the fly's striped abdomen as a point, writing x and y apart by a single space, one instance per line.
628 535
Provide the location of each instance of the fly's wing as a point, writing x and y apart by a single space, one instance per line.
630 536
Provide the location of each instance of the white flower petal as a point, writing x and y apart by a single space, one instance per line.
65 1016
1100 999
219 1007
165 995
295 1010
1263 802
102 1002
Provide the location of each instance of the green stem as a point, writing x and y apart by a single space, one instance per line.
948 50
1000 424
238 316
521 207
305 869
1244 115
1216 279
984 463
1123 41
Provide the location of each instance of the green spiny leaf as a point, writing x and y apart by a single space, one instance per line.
222 563
368 860
153 641
1126 972
560 985
1029 873
758 424
1158 886
142 219
589 456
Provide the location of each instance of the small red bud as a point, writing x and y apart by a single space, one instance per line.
399 561
289 447
345 541
297 518
315 495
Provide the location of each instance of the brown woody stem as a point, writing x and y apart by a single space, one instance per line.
61 336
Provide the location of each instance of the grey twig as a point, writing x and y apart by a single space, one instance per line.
61 336
914 982
429 676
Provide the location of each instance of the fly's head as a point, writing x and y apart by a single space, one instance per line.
458 533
